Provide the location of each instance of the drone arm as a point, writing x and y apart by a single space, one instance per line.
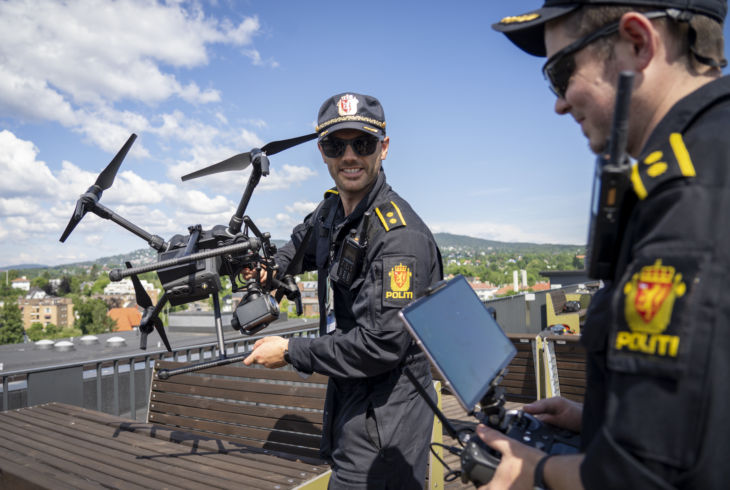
235 224
250 244
103 212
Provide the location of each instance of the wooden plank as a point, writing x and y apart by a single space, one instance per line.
203 444
234 386
290 423
164 460
22 472
280 450
312 416
272 399
229 430
70 460
106 456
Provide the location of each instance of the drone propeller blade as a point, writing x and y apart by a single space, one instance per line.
106 177
276 146
243 160
161 331
143 299
238 162
79 213
104 181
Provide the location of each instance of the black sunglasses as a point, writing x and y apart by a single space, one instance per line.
364 145
559 68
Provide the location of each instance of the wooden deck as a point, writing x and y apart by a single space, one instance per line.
58 446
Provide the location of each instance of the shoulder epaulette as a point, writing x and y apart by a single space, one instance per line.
671 161
331 192
390 216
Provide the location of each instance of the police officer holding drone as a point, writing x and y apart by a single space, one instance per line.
655 412
373 255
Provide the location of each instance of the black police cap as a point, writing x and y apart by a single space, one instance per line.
527 30
351 111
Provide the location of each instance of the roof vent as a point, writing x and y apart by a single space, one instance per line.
63 346
89 340
116 342
44 344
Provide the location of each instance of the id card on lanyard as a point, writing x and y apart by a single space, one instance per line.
330 308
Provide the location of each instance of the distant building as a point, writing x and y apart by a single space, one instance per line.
560 279
35 293
54 284
124 290
126 318
21 283
58 311
484 290
125 286
310 300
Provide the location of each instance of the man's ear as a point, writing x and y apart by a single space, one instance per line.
384 147
321 152
642 37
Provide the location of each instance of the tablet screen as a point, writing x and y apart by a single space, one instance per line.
461 338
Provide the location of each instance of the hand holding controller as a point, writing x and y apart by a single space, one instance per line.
479 461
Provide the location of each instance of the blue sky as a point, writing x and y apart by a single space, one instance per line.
475 145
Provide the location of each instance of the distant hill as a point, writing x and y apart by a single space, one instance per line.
445 241
23 266
467 243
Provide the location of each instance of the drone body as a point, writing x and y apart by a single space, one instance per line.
190 266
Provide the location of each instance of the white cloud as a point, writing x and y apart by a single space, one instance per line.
286 177
19 206
301 208
72 62
20 172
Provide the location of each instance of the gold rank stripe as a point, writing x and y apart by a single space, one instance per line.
397 210
384 221
639 187
682 155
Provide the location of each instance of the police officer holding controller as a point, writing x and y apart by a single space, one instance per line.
658 335
373 256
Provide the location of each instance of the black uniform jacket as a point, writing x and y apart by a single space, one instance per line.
365 354
657 404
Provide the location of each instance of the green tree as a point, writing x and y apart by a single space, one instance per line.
52 331
40 282
99 285
35 332
65 287
11 323
92 317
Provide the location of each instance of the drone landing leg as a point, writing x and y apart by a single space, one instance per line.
219 326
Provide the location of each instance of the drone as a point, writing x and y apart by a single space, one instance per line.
190 266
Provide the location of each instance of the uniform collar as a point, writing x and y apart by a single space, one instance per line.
666 156
684 112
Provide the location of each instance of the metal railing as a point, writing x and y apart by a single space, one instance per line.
120 385
116 385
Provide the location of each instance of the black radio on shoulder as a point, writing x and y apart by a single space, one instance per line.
349 260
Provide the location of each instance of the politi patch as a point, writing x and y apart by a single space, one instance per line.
398 280
649 303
